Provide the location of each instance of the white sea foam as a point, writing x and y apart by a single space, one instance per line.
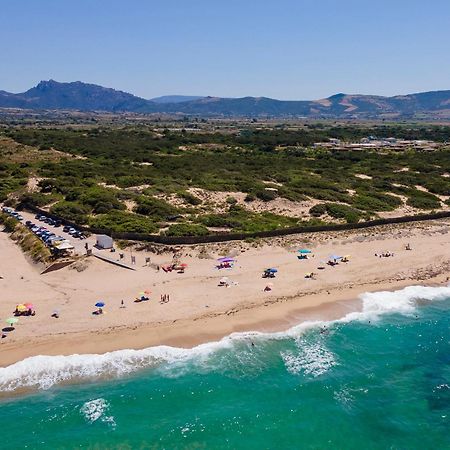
42 372
312 359
97 410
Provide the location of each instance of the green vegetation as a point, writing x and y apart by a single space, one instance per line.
28 242
103 171
120 221
337 211
186 229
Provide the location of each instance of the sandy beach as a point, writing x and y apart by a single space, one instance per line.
199 310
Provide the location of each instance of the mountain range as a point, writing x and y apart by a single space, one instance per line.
53 95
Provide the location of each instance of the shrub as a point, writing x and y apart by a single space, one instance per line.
220 220
75 212
9 223
190 198
338 211
100 200
121 221
155 208
38 199
438 186
318 210
376 202
266 196
186 229
422 200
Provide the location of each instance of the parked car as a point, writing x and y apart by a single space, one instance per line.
57 223
66 228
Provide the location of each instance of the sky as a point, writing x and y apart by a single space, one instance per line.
286 49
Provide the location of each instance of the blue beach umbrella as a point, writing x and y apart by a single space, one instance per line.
272 270
335 257
100 304
304 251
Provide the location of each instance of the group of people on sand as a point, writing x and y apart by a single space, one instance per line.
384 254
164 298
26 312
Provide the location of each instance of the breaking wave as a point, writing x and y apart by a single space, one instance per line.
43 372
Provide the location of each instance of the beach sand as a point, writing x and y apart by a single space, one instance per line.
199 310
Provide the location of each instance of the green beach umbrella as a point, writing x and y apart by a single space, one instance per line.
12 320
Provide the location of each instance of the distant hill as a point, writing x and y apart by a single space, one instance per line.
77 95
176 98
90 97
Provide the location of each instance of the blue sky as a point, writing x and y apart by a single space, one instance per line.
288 49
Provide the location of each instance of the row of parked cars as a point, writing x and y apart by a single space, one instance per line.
50 238
57 223
12 213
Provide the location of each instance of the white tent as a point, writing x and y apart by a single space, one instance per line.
104 241
65 245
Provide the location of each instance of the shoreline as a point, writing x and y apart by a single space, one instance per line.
281 315
199 311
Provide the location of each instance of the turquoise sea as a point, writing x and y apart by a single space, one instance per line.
377 379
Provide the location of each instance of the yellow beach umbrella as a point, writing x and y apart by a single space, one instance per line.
21 308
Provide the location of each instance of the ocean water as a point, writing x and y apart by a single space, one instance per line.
377 379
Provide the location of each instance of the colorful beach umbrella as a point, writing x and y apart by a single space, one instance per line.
100 304
226 259
12 320
29 305
21 308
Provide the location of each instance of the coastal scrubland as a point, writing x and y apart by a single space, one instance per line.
185 181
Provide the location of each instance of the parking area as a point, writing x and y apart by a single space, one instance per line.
53 233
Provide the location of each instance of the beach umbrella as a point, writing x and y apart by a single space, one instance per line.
100 304
29 305
334 257
304 251
223 280
148 292
272 270
12 320
183 265
226 259
21 308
